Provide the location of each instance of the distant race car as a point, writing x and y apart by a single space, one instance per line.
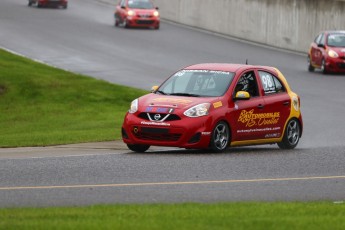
327 52
49 3
137 13
214 106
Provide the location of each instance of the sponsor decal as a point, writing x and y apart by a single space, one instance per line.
272 135
173 100
259 130
217 104
295 103
250 119
182 72
154 123
205 133
158 110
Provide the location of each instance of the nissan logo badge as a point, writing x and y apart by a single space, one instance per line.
157 117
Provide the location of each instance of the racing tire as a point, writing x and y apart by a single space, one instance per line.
116 24
29 3
323 67
310 67
291 135
220 137
138 148
125 24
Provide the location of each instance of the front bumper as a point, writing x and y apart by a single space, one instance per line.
335 65
137 21
185 133
52 3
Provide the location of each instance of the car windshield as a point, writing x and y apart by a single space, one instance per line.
336 40
197 83
140 4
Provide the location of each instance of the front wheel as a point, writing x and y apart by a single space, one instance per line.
291 135
310 67
323 66
138 148
220 137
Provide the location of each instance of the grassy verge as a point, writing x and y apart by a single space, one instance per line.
42 105
321 215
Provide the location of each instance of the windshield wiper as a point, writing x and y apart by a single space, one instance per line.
185 94
161 92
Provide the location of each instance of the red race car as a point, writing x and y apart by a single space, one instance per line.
214 106
49 3
327 52
137 13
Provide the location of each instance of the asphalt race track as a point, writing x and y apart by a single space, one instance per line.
83 39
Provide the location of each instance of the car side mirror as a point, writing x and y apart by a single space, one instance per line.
123 7
157 8
242 95
321 45
154 88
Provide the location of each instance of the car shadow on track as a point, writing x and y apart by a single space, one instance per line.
232 151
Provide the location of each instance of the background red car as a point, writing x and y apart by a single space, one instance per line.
214 106
327 52
137 13
49 3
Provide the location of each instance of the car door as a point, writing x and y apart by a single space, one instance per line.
277 104
121 10
317 49
244 115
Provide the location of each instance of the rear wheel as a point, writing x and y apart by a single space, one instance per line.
220 137
291 135
138 148
310 67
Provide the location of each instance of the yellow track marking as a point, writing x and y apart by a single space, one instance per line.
171 183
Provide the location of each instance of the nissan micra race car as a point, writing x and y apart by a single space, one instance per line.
214 106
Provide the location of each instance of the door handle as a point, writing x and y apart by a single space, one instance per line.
261 106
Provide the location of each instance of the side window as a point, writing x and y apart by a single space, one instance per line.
247 82
270 83
323 39
318 39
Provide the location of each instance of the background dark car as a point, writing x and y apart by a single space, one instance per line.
49 3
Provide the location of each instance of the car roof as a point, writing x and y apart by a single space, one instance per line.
229 67
335 31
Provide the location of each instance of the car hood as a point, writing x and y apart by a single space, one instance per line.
175 102
339 50
144 11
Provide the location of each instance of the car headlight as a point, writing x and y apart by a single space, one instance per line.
130 13
134 106
198 110
156 13
333 54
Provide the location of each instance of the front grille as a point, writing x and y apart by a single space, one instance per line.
150 116
145 16
145 22
156 134
341 65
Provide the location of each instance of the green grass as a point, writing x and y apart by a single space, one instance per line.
317 215
41 105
